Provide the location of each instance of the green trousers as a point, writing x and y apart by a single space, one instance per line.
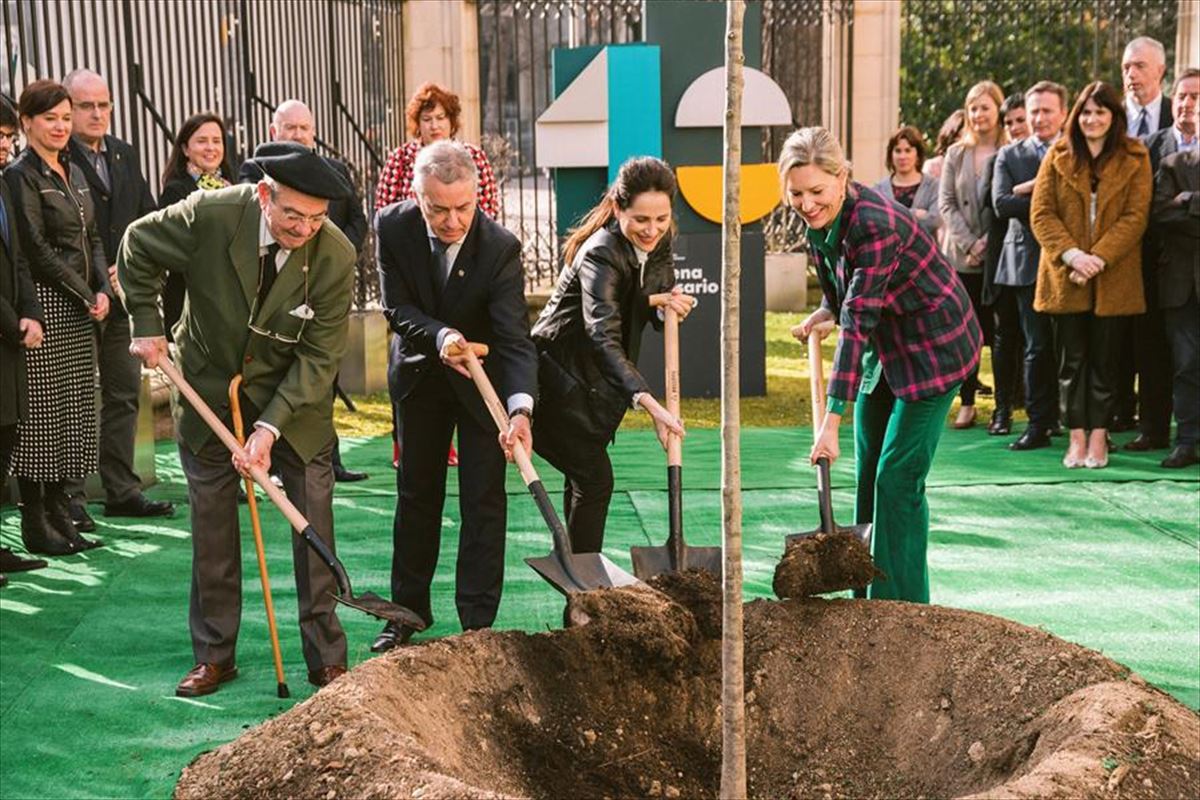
894 443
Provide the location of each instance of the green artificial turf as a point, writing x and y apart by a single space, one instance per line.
91 648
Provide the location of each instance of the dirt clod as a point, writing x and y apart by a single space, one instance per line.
849 699
823 563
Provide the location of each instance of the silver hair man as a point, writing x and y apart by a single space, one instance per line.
448 162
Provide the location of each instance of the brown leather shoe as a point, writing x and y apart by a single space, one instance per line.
204 678
326 675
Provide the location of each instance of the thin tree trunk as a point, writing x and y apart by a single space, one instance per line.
733 710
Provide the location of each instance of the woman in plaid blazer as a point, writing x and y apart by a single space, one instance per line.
908 340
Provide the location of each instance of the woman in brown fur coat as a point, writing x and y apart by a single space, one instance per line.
1089 211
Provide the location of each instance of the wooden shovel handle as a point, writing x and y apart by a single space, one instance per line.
671 360
227 438
816 380
499 415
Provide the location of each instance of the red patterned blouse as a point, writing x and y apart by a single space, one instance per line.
395 181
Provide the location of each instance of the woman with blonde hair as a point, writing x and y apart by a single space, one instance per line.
1089 211
908 339
966 213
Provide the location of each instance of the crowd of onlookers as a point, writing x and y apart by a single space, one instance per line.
69 194
1075 227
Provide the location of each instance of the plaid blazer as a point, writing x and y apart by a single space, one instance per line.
895 290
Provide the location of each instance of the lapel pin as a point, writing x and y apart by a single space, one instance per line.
461 273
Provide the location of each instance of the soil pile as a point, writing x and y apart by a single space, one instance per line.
844 699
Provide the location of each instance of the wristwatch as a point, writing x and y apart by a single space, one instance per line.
523 411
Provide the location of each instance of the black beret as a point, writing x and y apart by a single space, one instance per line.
299 168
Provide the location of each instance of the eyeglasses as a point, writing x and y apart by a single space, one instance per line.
295 217
88 106
10 135
279 337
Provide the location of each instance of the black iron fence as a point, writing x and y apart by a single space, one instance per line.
948 45
167 60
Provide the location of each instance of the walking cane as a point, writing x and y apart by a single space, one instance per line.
256 524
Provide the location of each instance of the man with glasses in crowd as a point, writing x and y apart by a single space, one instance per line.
120 195
269 280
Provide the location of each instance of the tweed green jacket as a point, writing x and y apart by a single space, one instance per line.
288 366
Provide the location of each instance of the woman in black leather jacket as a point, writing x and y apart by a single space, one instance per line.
589 334
58 439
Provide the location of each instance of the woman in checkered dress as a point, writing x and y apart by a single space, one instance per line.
57 441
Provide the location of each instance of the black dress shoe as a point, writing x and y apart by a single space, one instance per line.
82 519
38 537
11 562
343 475
1031 439
1143 442
394 634
984 389
1001 424
1184 455
139 506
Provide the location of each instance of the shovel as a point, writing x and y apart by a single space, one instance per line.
567 572
368 602
675 555
824 499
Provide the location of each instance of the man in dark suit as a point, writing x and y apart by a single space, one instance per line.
451 278
20 329
120 195
1175 217
1151 347
269 282
1016 271
293 122
1143 66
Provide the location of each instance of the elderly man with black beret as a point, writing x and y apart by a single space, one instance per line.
269 281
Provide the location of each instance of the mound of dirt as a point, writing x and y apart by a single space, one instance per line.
844 699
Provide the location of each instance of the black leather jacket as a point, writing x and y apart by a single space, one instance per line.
57 224
590 332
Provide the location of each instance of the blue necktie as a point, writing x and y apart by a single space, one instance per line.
1143 127
1041 151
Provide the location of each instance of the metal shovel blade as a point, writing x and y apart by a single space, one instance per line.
376 606
581 572
651 561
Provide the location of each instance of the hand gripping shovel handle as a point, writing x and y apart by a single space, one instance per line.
562 543
260 477
816 385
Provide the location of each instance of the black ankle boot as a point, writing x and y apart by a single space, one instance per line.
36 533
1001 424
58 517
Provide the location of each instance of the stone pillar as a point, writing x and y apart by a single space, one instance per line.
441 44
1187 37
875 86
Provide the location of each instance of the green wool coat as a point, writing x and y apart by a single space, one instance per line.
211 239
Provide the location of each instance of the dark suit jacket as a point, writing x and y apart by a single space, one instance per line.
129 198
347 214
17 301
1018 263
1178 227
1161 144
484 300
995 243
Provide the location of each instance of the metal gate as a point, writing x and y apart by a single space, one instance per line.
948 45
165 61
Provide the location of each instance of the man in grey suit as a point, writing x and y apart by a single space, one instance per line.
1016 271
